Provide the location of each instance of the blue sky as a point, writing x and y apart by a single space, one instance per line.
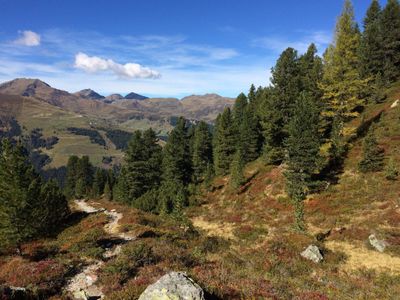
158 47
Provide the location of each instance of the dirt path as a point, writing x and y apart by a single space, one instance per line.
83 285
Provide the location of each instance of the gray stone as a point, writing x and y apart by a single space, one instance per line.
312 253
377 244
173 286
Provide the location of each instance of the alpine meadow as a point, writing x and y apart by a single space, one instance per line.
231 150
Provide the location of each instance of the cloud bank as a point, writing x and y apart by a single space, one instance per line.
94 64
28 38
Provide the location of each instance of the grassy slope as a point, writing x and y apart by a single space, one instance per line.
55 121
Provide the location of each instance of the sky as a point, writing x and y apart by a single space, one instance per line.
159 48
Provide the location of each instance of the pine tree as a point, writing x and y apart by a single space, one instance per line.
28 207
99 182
176 160
237 166
252 96
310 73
371 60
224 142
278 106
202 151
52 208
84 176
390 45
373 155
250 136
71 178
153 157
342 84
239 109
133 177
302 155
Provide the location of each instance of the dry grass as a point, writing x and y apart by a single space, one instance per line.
358 257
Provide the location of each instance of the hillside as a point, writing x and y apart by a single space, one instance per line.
235 244
35 104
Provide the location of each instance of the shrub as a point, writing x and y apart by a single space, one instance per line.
391 171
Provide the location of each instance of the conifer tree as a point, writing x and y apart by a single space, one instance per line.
71 178
224 142
237 166
371 60
84 175
390 45
28 207
153 157
250 136
342 84
52 208
373 155
239 109
279 103
133 176
99 182
202 151
302 154
176 160
310 73
252 95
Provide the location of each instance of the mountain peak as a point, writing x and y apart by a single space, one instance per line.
89 94
134 96
23 86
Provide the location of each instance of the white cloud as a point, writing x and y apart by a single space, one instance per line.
28 38
94 64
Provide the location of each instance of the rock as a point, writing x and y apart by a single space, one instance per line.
395 103
377 244
312 253
174 285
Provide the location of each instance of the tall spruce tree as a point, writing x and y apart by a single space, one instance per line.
224 142
278 106
302 154
371 60
250 136
390 46
202 151
310 73
133 177
153 157
176 158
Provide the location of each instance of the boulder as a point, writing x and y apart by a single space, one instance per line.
174 285
377 244
312 253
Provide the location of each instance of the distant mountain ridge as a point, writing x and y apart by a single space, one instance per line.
116 107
